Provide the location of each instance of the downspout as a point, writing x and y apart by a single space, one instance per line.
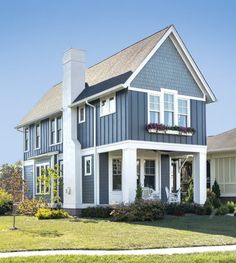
95 149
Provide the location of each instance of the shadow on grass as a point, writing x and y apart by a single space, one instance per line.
213 225
43 233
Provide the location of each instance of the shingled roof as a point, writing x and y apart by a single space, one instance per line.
106 74
223 142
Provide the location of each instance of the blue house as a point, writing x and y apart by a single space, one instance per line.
134 118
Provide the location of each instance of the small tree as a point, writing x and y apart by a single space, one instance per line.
139 192
216 189
189 196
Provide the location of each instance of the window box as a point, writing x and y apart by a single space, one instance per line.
175 130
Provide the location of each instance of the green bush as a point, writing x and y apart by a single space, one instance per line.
189 196
97 212
143 210
47 213
29 207
223 210
216 189
208 207
213 199
231 206
139 193
6 202
176 209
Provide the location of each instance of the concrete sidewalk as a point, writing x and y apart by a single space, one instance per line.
159 251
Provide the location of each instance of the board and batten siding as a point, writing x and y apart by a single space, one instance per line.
45 146
103 178
87 184
138 119
110 128
29 179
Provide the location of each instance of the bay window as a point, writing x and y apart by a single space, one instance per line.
169 109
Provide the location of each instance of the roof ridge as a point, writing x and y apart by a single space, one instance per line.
129 46
222 133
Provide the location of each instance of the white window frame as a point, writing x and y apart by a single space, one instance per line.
35 136
149 110
120 159
28 144
87 158
80 108
55 126
36 190
109 110
176 98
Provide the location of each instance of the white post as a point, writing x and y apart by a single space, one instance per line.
73 84
199 178
129 175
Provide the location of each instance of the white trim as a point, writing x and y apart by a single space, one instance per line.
28 148
41 156
41 165
87 158
80 108
98 95
55 126
35 136
188 61
107 101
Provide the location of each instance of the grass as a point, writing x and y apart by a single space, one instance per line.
34 234
225 257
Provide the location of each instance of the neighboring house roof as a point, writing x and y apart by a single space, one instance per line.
223 142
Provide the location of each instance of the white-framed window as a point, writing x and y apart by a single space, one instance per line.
37 135
149 173
154 108
26 139
88 165
182 112
169 109
116 175
107 105
56 130
42 179
81 114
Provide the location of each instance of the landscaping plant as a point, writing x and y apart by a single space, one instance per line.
29 207
97 212
6 202
189 196
47 213
139 193
216 189
231 206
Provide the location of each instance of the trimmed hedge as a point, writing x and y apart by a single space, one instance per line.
97 212
46 213
6 202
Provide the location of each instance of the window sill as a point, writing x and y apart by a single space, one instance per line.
55 144
170 132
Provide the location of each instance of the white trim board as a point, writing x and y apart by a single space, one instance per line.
190 63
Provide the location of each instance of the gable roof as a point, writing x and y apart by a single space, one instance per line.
117 69
222 142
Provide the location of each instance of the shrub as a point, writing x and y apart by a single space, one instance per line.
29 207
139 193
47 213
6 202
216 189
223 210
143 210
231 206
215 201
175 209
208 207
189 196
97 212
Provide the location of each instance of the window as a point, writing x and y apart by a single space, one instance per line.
88 165
154 109
116 174
43 180
59 129
168 109
182 113
56 130
81 114
37 136
26 139
149 176
107 105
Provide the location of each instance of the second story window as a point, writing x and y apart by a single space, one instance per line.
56 130
154 109
107 105
182 112
168 109
37 136
81 114
26 141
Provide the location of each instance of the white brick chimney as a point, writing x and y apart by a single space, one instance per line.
73 84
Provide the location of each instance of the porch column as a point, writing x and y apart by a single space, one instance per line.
199 178
129 175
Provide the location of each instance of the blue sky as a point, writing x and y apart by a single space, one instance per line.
34 35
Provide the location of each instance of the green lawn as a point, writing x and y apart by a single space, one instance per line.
194 258
34 234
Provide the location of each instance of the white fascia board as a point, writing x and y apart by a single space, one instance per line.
49 154
207 91
98 95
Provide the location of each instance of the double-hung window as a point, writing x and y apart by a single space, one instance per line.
150 173
87 165
168 109
37 136
182 112
59 129
53 133
56 130
26 146
116 174
154 109
81 114
107 105
43 180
